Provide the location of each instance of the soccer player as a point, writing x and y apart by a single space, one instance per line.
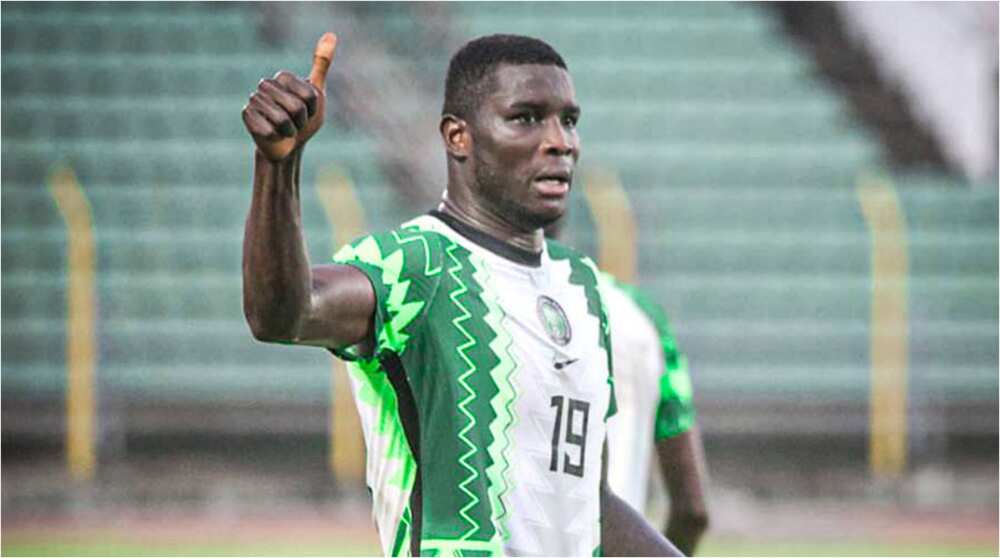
482 353
653 391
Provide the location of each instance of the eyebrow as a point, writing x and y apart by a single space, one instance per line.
541 107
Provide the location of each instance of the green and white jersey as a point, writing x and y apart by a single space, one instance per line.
652 386
484 403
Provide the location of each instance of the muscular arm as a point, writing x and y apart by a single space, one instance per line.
284 299
682 464
624 532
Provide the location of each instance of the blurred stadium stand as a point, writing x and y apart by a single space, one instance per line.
740 158
142 101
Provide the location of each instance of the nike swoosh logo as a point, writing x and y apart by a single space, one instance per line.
563 364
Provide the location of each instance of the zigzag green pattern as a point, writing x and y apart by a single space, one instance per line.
396 303
418 237
499 451
463 405
402 313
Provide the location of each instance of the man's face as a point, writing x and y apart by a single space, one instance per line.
525 145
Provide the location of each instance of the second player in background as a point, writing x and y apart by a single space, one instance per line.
655 408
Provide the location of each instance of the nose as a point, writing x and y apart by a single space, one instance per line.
559 140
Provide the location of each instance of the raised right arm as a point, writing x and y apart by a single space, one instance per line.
284 298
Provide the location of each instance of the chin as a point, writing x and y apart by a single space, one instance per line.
539 218
537 214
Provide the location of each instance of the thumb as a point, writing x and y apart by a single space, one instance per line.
322 57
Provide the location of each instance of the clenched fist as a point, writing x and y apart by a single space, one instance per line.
285 111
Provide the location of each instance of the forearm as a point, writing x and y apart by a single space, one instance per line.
682 463
276 275
624 532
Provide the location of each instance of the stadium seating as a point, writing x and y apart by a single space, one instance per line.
142 101
740 162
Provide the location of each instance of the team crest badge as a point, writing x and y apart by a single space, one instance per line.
554 320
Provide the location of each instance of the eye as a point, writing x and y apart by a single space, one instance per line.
526 118
570 121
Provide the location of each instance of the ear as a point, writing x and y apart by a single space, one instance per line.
456 136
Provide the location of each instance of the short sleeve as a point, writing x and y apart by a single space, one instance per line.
404 270
675 411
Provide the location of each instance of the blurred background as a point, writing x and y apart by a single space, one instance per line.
809 189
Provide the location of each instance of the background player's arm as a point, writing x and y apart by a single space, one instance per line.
624 532
682 464
284 299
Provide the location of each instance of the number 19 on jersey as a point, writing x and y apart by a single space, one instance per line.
577 413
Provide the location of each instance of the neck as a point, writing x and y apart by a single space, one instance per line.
491 224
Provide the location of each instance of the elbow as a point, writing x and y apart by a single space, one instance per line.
270 319
265 335
267 329
262 332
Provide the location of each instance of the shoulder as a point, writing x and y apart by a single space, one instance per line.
559 251
413 245
584 269
647 306
642 299
610 285
617 299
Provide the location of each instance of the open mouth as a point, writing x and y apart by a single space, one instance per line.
553 184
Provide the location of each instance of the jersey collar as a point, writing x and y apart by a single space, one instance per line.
503 249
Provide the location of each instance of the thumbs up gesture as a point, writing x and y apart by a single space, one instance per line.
285 111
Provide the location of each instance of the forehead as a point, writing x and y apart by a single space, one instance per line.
532 83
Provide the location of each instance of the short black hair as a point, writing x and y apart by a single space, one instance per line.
465 85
